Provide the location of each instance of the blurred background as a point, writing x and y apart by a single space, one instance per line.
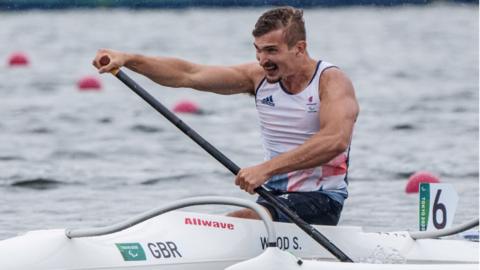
79 149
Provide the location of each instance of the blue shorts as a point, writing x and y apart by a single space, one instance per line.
314 207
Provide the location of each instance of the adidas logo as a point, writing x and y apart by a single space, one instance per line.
268 101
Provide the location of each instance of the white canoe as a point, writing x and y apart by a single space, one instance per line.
184 240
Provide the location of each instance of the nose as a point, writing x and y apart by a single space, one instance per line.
261 58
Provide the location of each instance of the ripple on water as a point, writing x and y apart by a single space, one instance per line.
74 154
404 127
38 183
403 175
41 130
145 128
105 120
11 158
156 180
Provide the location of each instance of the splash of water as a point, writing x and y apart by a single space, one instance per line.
384 255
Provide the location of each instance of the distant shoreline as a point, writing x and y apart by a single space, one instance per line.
12 5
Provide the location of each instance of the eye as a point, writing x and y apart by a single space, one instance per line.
271 50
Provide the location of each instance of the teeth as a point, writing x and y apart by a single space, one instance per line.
270 67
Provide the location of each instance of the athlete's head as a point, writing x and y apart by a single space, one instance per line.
280 41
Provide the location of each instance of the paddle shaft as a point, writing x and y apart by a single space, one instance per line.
310 230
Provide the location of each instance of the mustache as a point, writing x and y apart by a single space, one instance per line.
269 64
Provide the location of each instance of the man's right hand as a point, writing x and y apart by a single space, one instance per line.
117 60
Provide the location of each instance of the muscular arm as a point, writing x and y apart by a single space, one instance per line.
338 113
174 72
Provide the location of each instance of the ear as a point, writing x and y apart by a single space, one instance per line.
301 47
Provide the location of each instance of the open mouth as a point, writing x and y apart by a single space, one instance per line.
270 67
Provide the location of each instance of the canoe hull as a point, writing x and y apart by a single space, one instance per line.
183 240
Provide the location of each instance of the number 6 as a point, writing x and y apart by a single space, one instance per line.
439 207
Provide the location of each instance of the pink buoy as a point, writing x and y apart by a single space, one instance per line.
419 177
186 107
89 83
18 59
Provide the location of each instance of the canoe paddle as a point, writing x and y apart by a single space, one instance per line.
267 195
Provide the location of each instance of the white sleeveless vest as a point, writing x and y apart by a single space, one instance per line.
287 121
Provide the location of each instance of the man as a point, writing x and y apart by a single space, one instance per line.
307 111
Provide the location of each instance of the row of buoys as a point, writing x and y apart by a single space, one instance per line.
19 59
92 83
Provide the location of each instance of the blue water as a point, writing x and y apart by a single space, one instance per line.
79 159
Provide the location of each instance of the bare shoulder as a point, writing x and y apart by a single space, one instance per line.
334 82
337 93
253 71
